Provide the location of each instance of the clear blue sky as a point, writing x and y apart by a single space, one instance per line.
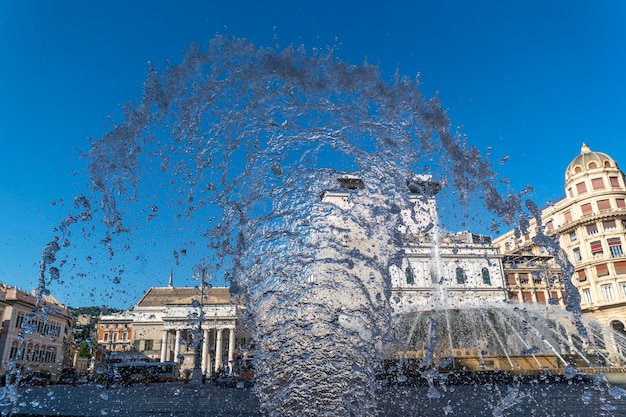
531 79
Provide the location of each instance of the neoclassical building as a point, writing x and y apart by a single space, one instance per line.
168 323
590 222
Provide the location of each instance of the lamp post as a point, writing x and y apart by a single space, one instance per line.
200 273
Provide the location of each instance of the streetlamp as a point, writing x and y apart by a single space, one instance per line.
200 272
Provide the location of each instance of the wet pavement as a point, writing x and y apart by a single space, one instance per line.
187 400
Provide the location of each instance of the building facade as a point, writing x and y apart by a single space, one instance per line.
590 223
34 339
168 323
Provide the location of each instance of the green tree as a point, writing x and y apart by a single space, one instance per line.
83 350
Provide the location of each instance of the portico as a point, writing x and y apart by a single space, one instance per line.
218 331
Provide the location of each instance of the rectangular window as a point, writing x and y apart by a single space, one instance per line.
622 286
602 270
604 205
570 193
148 344
614 182
523 278
620 268
581 188
550 225
592 229
20 320
573 237
577 256
587 295
615 245
582 276
597 183
586 209
510 279
609 225
607 291
596 248
620 203
568 216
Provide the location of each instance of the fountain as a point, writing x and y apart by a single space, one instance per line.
293 169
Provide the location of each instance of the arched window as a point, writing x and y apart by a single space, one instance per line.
410 278
460 276
486 277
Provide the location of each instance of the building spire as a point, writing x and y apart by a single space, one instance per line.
584 148
170 284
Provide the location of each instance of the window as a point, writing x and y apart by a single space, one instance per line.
20 320
615 246
609 225
550 225
592 165
602 270
460 276
587 295
582 276
620 203
614 182
596 248
486 277
592 229
569 192
148 345
620 268
622 286
597 183
523 278
106 336
568 216
577 256
603 205
607 291
573 237
115 337
410 278
586 209
581 188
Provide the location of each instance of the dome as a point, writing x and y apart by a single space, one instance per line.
588 160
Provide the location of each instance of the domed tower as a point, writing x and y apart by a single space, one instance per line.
593 220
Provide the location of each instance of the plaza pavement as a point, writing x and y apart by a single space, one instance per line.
180 400
159 399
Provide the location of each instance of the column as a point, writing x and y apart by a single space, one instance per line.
231 350
205 352
177 346
164 346
218 350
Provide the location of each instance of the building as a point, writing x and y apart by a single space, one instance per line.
590 223
34 338
465 265
168 322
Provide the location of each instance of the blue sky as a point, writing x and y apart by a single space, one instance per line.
531 79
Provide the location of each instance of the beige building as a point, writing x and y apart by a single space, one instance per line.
34 339
591 224
165 324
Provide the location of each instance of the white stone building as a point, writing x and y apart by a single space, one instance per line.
167 322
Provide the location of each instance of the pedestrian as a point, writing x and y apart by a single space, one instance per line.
110 378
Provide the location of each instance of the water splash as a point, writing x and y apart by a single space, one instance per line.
250 140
